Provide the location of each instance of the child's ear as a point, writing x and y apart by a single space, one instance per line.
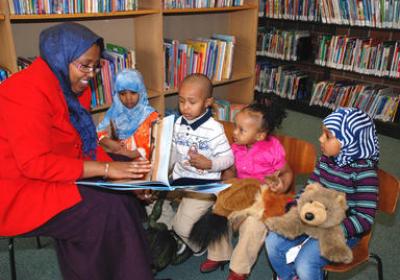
209 101
261 136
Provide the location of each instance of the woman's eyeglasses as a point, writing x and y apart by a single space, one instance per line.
86 68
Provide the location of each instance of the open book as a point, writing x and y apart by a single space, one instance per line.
160 154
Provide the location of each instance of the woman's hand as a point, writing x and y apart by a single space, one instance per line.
128 170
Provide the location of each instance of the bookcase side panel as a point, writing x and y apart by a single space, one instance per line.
158 103
150 4
243 24
7 48
236 92
149 50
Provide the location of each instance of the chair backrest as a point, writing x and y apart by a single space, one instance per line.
228 127
389 188
300 154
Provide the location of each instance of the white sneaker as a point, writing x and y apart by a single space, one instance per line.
181 247
200 253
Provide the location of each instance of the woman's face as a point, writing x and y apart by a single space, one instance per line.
84 68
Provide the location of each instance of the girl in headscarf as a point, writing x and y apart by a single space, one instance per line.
47 142
125 129
350 154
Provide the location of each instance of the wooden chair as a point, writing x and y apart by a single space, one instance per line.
11 255
300 154
389 189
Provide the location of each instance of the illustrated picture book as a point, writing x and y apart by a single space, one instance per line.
160 154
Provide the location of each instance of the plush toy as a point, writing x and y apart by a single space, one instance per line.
318 214
245 197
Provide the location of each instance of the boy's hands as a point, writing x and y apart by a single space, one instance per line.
198 160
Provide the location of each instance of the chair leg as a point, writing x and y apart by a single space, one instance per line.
12 258
38 243
274 275
379 265
326 275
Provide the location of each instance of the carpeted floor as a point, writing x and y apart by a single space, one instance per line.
34 264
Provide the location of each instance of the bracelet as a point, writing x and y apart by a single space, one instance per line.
106 168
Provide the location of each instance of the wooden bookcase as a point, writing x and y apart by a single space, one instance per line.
318 73
143 31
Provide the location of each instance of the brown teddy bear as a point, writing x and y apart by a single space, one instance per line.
318 214
245 197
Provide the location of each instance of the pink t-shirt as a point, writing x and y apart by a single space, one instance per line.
262 159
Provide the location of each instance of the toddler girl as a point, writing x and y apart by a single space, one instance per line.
350 153
125 129
257 154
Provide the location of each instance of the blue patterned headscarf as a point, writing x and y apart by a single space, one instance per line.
126 120
60 45
356 133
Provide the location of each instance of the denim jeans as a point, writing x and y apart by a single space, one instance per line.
308 264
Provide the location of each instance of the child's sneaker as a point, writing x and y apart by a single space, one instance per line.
181 246
200 252
182 257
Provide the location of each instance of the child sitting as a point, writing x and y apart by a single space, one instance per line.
350 153
257 154
200 151
129 118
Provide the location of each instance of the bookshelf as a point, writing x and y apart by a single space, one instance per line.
144 30
317 72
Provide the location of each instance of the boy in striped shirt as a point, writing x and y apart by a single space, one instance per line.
350 154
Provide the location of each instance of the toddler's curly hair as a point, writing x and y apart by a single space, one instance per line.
271 111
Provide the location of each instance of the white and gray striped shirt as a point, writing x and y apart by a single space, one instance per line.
207 136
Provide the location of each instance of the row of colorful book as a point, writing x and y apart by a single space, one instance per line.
210 56
4 74
23 62
116 58
225 110
380 102
283 44
22 7
366 56
187 4
371 13
306 10
283 80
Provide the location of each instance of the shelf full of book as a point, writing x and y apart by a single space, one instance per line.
338 64
143 29
216 44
